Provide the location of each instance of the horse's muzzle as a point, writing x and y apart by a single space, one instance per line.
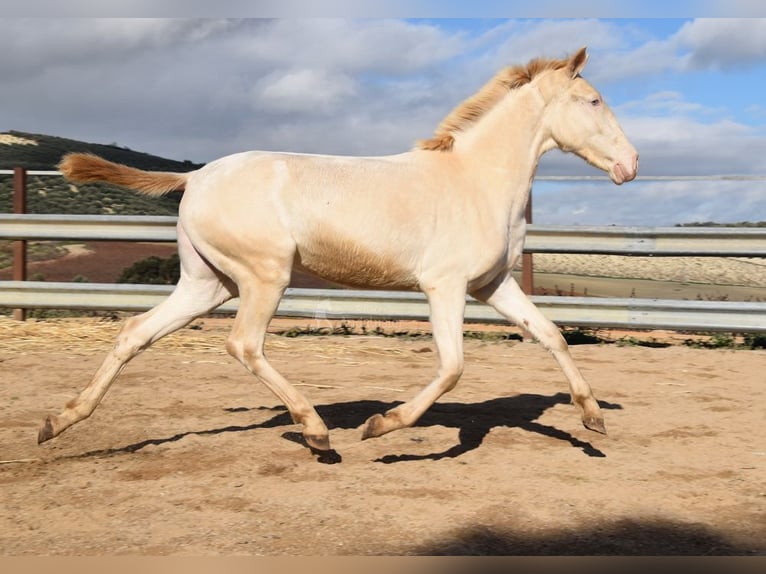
621 172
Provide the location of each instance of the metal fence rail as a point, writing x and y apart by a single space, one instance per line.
42 227
338 304
393 305
665 241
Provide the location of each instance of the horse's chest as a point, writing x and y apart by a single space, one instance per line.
498 254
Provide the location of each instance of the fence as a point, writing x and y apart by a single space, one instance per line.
337 304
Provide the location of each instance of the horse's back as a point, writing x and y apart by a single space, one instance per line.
346 219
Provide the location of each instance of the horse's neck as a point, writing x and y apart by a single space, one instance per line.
503 148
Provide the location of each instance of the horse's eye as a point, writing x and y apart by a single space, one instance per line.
595 102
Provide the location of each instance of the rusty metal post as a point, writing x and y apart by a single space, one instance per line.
20 245
527 273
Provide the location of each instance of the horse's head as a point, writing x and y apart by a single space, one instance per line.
579 121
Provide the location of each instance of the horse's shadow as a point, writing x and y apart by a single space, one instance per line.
473 421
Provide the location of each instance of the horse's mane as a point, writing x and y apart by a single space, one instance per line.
472 109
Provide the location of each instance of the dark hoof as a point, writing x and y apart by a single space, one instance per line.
46 431
324 455
594 424
374 427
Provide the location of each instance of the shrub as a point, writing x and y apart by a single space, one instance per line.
153 270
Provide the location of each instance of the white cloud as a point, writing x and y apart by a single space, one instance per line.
302 91
647 59
381 46
554 38
42 44
667 102
723 43
703 44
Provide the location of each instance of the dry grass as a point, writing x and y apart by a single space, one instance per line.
97 335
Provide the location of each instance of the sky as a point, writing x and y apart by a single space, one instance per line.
689 93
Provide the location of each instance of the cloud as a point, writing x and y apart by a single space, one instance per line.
668 102
299 91
381 8
664 203
529 39
167 86
379 45
722 44
38 45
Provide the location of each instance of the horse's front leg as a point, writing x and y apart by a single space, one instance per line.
447 309
505 295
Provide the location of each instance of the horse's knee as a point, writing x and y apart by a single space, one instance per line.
551 339
450 374
246 352
129 340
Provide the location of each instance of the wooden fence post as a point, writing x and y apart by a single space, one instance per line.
20 245
527 273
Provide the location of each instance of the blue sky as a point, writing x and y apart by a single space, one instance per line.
689 93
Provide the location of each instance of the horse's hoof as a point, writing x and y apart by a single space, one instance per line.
374 427
46 431
595 424
318 442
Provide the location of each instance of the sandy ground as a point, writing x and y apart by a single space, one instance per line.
690 278
745 271
189 455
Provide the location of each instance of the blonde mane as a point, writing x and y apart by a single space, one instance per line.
472 109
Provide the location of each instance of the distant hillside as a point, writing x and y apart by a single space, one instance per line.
50 194
38 151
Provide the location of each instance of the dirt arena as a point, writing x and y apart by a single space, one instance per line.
189 455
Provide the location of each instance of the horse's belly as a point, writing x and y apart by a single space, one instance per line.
355 265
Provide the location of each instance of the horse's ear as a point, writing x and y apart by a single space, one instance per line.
577 62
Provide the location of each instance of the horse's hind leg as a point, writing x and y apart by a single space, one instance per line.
509 300
259 299
198 291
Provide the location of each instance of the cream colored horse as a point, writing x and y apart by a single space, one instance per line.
446 218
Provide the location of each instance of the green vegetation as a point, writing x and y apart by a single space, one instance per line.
53 194
750 341
153 270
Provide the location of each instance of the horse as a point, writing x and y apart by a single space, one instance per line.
445 218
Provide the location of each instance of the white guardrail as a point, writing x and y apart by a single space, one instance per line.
634 313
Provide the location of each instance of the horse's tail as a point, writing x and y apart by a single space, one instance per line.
88 168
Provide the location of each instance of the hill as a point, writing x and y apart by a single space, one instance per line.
51 194
43 152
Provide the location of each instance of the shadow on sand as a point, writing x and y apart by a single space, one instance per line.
623 537
473 421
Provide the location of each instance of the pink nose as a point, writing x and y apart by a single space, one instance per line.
629 169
